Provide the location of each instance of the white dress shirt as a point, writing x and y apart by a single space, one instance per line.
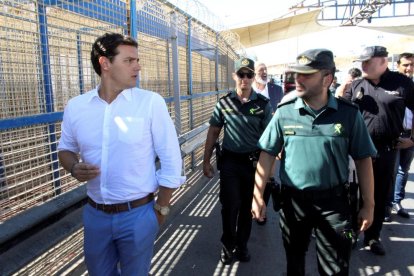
264 92
123 139
408 119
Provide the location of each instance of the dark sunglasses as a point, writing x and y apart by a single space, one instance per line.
249 75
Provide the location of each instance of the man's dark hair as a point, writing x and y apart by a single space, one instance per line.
404 55
105 46
355 73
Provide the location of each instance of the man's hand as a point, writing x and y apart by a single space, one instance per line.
258 208
208 169
160 218
404 143
84 172
365 217
340 91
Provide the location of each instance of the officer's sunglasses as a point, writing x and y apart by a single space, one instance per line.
249 75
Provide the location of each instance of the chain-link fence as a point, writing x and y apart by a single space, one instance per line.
45 60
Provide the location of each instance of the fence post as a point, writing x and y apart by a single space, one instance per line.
176 75
133 26
48 90
80 65
190 81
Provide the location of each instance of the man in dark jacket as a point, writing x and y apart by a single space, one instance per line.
262 86
382 97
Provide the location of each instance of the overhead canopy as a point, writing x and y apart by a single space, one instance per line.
402 29
279 29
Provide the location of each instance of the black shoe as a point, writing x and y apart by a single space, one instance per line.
242 255
263 222
375 246
400 210
226 256
387 215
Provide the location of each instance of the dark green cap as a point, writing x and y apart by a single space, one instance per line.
372 51
244 63
314 60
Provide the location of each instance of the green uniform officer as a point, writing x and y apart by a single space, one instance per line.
244 116
315 133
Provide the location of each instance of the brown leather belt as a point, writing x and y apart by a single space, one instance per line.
121 207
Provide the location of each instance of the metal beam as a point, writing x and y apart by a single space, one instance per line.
352 12
366 12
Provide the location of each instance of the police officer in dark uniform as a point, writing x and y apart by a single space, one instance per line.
315 133
382 97
244 114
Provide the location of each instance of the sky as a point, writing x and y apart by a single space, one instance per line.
348 41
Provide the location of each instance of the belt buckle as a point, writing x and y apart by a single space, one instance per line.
308 195
109 209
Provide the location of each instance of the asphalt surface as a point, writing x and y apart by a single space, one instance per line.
189 243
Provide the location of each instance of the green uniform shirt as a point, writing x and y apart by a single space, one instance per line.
316 147
243 123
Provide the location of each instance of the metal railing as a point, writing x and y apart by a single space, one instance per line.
44 61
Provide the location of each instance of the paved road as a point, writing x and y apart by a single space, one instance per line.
189 242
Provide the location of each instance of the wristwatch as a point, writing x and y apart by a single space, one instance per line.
163 210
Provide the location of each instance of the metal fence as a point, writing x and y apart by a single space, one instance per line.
45 60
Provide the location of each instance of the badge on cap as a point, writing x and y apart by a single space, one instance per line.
245 62
303 60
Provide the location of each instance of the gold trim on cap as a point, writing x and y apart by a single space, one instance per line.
245 62
303 60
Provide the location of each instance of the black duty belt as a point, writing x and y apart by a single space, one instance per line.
386 144
313 194
248 156
121 207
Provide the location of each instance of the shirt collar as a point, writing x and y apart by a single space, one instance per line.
93 94
127 94
332 102
253 95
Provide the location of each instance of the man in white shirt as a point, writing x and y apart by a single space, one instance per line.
262 86
118 130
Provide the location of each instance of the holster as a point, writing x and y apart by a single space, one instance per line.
276 193
354 204
219 155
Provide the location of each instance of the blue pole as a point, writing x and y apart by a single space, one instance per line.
133 20
48 92
190 71
190 84
80 65
133 28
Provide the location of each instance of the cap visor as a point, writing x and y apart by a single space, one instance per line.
362 59
244 68
303 69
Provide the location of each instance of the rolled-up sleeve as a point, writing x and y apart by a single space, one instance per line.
166 146
67 140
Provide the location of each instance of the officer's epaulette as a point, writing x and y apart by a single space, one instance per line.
227 95
260 96
287 102
347 102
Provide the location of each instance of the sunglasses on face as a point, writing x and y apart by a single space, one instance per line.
249 75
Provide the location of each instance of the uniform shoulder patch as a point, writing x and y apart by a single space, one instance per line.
347 102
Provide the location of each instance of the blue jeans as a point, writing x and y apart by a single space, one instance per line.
404 158
126 238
